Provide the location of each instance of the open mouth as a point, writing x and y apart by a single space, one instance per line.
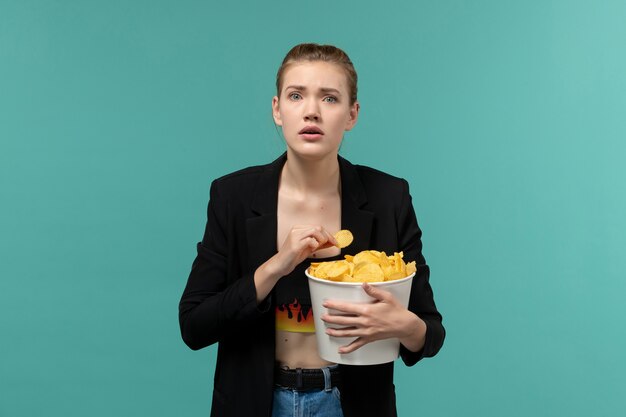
311 130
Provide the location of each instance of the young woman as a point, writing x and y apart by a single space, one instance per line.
247 290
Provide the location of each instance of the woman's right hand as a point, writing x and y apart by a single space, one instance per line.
300 243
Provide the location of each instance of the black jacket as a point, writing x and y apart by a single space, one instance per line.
219 301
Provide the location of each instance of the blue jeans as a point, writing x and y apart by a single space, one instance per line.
290 403
314 403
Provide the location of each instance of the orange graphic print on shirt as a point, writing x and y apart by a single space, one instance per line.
295 317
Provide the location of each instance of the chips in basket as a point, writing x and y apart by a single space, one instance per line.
365 266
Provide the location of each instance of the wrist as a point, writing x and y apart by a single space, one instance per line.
265 277
414 333
273 268
268 272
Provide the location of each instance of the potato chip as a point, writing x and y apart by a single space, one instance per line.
366 256
388 270
394 276
411 268
322 268
338 269
365 266
368 272
349 278
344 238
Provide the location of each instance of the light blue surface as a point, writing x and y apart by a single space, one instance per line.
507 118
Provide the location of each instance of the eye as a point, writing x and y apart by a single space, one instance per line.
294 96
330 99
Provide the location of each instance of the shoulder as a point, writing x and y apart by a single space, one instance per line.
374 177
376 182
244 181
240 177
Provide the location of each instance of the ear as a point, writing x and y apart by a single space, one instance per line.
276 111
354 115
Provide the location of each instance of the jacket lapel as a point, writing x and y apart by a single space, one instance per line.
261 227
353 216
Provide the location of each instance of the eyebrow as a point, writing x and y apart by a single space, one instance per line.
323 89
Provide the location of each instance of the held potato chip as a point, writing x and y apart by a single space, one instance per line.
343 238
365 266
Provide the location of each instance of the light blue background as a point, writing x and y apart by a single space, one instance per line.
507 118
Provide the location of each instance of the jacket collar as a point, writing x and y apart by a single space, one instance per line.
265 205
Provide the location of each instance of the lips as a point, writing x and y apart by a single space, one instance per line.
311 130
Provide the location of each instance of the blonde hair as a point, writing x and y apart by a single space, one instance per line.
315 52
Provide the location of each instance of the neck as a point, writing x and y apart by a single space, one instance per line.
311 176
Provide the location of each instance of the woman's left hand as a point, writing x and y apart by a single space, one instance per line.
383 319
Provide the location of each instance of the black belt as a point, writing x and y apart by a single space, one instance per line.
305 379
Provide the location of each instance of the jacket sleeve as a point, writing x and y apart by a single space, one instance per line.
421 301
211 304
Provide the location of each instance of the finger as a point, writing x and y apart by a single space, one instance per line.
341 320
305 242
299 233
359 342
325 238
329 244
318 234
301 249
331 241
378 293
346 307
312 243
345 332
296 241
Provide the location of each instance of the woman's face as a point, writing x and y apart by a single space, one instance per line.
314 108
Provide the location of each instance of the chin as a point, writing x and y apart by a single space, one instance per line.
312 153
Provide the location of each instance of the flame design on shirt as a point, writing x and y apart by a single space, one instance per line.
295 317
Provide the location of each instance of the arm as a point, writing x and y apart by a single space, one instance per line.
214 302
211 304
421 301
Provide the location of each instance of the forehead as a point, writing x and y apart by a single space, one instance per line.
316 74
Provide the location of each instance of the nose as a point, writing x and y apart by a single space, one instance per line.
311 111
